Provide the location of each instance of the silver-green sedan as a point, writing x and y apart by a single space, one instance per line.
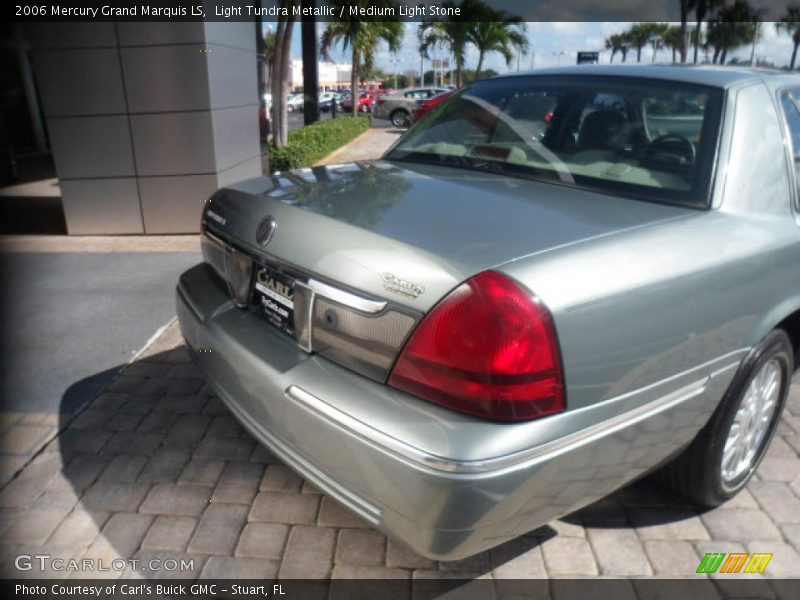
398 106
553 284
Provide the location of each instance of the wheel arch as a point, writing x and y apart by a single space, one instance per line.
785 316
791 325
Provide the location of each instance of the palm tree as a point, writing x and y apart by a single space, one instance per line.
701 9
498 33
790 23
615 43
685 6
625 44
637 36
732 27
673 39
269 53
454 35
362 37
279 74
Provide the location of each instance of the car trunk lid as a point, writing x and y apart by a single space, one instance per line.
410 233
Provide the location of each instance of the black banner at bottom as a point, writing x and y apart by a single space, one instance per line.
402 589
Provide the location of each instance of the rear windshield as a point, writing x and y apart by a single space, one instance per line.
646 139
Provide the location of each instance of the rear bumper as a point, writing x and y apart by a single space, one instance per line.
449 486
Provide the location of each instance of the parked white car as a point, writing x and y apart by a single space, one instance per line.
295 102
326 100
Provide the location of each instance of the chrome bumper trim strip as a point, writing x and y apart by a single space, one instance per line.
494 465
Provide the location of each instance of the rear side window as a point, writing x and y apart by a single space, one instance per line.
790 102
679 114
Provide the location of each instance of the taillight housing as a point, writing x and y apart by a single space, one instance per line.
488 349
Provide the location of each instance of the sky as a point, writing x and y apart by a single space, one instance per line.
549 39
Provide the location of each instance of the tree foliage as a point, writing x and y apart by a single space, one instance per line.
617 43
479 25
733 26
790 23
361 37
307 145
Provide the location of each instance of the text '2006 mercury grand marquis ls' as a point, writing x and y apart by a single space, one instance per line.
553 284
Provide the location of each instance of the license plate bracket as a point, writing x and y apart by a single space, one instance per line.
273 297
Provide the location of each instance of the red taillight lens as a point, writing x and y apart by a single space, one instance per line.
488 349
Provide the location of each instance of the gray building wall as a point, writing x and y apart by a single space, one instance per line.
146 119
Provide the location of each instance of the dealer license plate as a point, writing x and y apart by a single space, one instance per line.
274 298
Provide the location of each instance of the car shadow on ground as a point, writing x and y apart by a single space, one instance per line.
641 504
155 467
158 467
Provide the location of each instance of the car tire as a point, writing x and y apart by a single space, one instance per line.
706 472
400 118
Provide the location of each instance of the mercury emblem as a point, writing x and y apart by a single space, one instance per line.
265 230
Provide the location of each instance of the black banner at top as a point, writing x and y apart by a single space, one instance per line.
334 10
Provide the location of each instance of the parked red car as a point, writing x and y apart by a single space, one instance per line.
424 106
365 102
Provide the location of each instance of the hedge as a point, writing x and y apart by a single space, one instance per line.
308 145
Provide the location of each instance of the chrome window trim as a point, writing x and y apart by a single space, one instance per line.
794 190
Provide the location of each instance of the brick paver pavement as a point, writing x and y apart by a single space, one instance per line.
157 467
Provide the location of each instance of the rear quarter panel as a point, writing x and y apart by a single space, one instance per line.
669 304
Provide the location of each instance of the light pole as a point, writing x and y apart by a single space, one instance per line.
559 54
655 40
395 60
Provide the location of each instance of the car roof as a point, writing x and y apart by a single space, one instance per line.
417 89
714 75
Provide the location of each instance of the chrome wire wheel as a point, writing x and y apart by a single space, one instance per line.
726 452
400 118
751 422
